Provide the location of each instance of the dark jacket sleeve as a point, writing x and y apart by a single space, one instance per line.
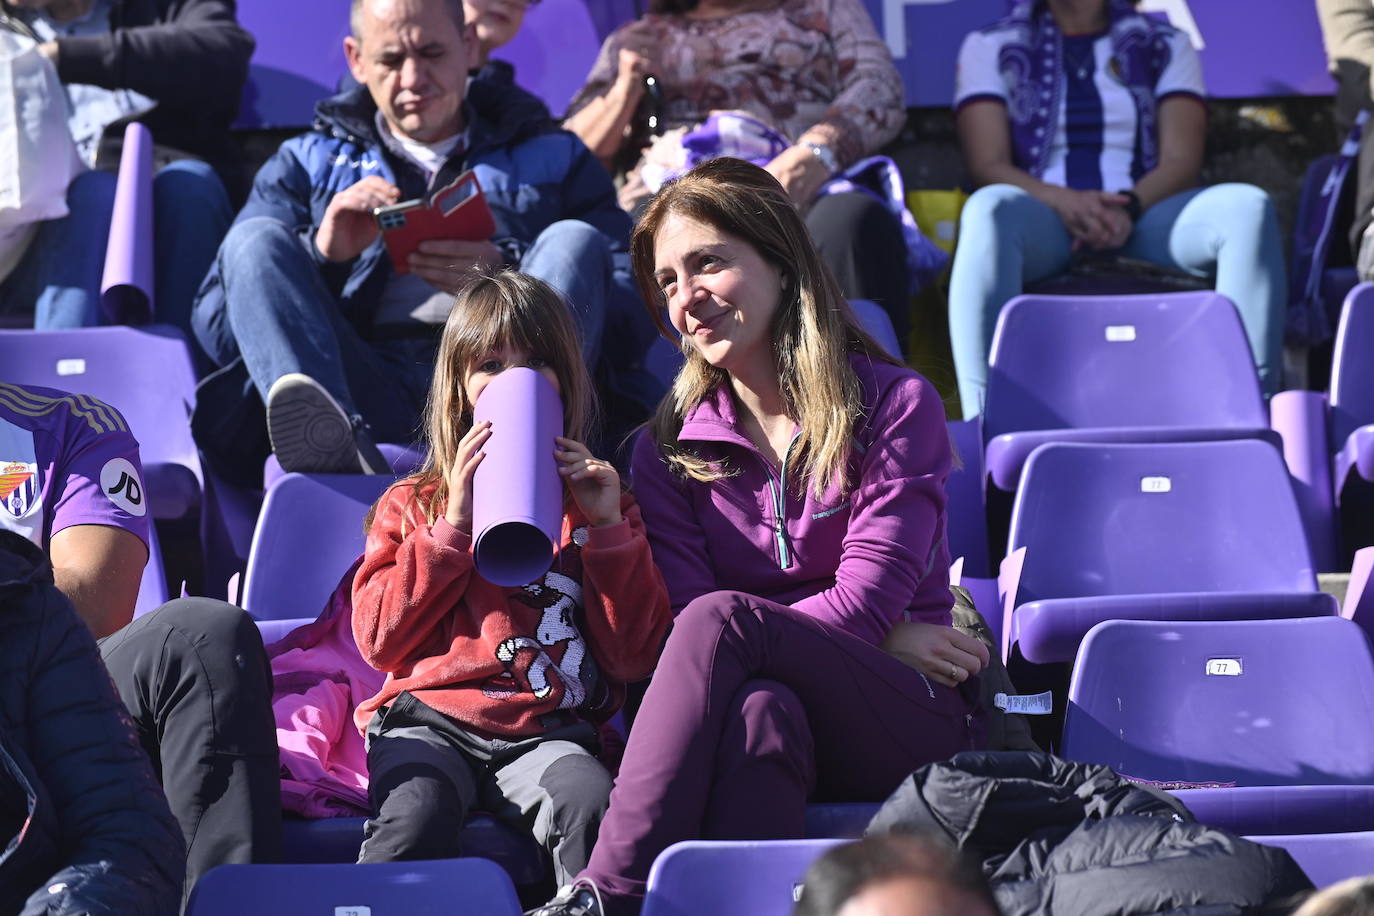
193 53
589 195
123 851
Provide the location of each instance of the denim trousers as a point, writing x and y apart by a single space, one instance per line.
59 277
1008 238
279 316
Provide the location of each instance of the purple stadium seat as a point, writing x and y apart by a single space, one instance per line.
310 531
404 460
440 887
1328 857
152 589
1352 388
1170 531
761 878
146 373
968 524
1280 707
337 840
1153 368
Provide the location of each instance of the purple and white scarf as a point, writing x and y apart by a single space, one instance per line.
1033 67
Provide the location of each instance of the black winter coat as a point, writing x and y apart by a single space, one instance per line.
189 56
1075 839
100 838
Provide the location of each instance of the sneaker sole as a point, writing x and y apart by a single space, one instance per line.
309 434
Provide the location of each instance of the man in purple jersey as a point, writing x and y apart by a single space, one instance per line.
193 673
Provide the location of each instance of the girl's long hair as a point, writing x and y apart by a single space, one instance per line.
492 311
813 330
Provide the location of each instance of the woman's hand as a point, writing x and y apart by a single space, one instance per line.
800 172
594 483
631 68
458 512
1091 216
941 653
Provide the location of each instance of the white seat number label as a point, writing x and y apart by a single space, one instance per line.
1120 333
1156 485
1224 667
71 367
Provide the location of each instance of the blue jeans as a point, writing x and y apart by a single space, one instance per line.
60 274
1007 238
278 315
575 258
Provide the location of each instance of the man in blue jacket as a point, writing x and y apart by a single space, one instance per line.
304 311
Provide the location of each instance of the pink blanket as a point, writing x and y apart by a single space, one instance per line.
318 679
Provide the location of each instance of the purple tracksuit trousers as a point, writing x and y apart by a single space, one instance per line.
754 708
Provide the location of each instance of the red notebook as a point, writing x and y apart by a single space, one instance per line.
458 211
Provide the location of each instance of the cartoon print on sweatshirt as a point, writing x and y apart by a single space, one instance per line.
557 597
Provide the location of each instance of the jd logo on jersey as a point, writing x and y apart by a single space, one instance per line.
120 482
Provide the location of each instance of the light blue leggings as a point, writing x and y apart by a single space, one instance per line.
1007 238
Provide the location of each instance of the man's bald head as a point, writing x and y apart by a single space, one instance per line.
355 14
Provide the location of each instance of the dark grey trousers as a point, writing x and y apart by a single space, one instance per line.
427 772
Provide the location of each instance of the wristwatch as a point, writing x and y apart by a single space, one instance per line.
1133 208
826 155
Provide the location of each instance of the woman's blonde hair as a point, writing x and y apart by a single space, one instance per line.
813 330
1351 897
490 312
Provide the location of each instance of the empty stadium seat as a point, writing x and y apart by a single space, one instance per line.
1152 368
1166 531
309 533
1277 709
404 460
441 887
1328 857
145 373
1352 389
730 878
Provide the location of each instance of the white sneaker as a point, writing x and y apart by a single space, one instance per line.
312 434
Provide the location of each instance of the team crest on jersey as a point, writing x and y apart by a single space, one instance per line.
18 487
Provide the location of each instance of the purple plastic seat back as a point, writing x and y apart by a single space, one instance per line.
1075 362
1326 858
730 878
152 588
310 531
1352 368
1126 519
1243 702
145 373
438 887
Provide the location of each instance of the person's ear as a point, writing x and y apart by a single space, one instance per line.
353 53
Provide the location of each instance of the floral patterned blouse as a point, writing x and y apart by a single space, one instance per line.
817 70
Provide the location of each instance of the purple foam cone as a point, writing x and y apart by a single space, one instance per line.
126 289
517 495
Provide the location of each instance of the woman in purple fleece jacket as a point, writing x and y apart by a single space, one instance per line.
793 489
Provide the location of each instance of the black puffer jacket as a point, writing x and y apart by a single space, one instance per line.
1075 839
100 837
